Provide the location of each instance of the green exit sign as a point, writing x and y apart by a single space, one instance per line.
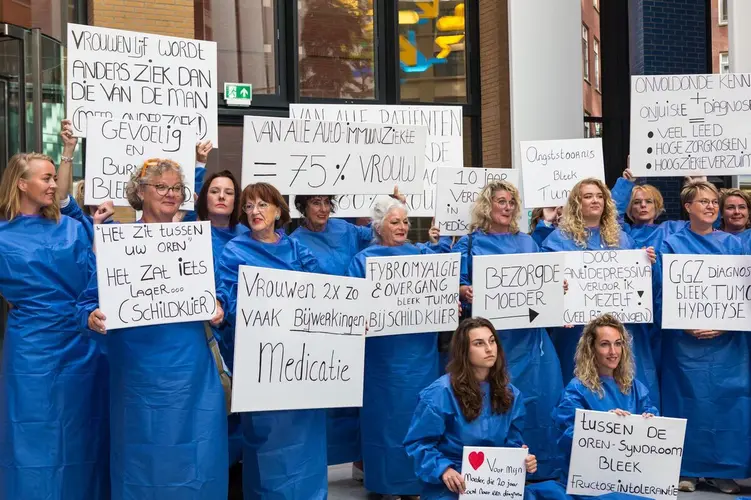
238 94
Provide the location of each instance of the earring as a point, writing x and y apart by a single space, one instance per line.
277 217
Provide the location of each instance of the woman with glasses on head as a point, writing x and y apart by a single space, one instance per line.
532 359
53 401
474 404
167 409
705 375
397 368
603 380
284 452
590 222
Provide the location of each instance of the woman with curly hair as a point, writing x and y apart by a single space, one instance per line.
705 376
603 379
532 360
474 404
590 222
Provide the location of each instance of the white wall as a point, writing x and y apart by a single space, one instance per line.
545 56
739 36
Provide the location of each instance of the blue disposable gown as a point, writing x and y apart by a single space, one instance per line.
565 339
397 368
168 415
334 248
577 395
443 245
53 390
542 231
439 432
284 452
707 381
73 211
530 355
199 175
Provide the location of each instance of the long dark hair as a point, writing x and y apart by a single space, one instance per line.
202 205
466 387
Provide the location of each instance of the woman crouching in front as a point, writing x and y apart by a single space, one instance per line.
472 405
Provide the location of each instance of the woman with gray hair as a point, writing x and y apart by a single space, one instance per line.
397 368
168 418
532 360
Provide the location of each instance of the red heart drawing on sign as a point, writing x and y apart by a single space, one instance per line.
476 458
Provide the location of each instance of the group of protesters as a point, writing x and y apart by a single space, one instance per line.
140 412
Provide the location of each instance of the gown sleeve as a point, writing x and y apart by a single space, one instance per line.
364 236
462 247
442 246
226 293
518 412
308 262
542 231
564 416
73 211
621 194
87 302
421 443
643 402
200 174
357 266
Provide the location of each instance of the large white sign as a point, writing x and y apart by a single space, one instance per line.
456 192
115 149
706 292
444 145
493 472
299 340
312 157
413 293
608 281
552 168
139 76
690 125
634 455
152 274
518 290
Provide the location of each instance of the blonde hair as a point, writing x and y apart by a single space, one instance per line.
692 188
586 361
572 222
79 194
154 167
10 195
727 193
481 218
651 192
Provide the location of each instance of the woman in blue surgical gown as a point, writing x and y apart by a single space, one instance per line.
53 401
284 452
590 223
532 359
705 374
603 380
474 404
167 410
334 242
397 368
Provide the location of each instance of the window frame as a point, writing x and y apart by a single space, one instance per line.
722 13
585 53
597 64
596 5
726 55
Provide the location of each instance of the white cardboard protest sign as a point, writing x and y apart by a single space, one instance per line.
690 125
456 192
139 76
523 290
635 455
152 274
413 293
608 281
311 157
299 340
552 168
493 472
444 145
706 292
115 149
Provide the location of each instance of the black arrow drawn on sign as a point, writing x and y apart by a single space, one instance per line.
640 292
532 314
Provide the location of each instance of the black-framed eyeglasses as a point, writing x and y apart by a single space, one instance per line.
163 189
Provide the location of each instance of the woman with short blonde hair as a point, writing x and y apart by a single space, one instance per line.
734 211
533 364
53 403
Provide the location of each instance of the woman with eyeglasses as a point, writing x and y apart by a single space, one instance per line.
284 452
474 404
168 416
53 401
397 368
532 360
705 374
590 222
603 380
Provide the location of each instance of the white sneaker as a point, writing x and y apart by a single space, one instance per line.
687 484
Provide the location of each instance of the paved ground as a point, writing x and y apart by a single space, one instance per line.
343 487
